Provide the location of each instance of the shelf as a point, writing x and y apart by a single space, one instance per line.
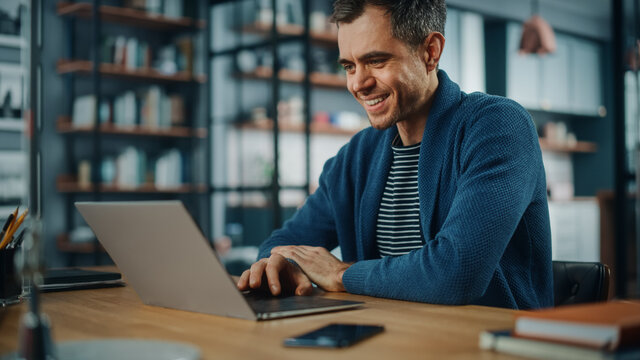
14 69
566 114
128 16
315 128
579 147
64 126
5 210
65 245
7 124
12 41
315 78
325 38
69 184
85 67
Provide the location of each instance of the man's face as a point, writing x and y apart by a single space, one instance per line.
384 74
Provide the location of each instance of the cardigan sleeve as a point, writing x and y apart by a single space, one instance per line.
499 165
313 224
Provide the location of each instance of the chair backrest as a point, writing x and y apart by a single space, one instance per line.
580 282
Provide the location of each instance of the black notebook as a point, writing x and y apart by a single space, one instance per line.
77 279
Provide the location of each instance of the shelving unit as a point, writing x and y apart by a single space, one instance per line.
188 137
291 146
14 52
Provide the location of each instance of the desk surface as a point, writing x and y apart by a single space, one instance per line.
413 330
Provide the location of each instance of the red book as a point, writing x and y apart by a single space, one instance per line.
606 325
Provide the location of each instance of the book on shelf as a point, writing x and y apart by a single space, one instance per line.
151 108
503 341
133 54
133 168
167 8
169 170
173 8
605 325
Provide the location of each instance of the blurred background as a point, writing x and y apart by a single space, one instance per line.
233 107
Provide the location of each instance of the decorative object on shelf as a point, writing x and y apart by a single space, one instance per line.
8 24
246 61
84 173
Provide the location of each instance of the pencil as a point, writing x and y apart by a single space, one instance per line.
6 226
9 235
4 240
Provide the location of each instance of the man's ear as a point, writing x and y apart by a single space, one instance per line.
432 49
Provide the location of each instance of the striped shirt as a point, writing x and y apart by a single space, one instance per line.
398 228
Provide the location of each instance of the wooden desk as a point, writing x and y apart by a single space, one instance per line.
413 330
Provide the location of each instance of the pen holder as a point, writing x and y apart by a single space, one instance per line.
10 285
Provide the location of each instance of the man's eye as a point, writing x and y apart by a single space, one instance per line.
376 61
348 67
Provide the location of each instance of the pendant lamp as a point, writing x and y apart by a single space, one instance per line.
537 34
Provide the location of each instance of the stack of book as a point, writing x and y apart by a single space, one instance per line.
133 54
133 168
608 330
151 108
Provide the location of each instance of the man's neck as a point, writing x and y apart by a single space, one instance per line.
412 129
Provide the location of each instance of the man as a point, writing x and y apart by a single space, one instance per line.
442 200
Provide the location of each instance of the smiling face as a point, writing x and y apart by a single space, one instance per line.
392 81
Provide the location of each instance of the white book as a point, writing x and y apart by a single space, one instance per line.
173 8
129 109
154 7
84 110
127 168
132 54
504 342
169 170
154 106
120 45
165 112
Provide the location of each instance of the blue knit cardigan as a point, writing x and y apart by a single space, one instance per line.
483 209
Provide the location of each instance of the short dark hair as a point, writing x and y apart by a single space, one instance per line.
411 20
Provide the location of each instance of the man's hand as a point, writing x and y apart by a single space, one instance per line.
280 275
317 263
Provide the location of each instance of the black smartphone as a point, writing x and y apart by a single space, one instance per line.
334 336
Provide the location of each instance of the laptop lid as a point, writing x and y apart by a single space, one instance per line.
169 263
165 257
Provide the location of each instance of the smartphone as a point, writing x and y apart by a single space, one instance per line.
334 336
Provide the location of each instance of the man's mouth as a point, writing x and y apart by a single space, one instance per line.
372 102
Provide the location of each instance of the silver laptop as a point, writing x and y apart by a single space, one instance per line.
169 263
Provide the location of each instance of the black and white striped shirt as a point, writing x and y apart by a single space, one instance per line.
398 229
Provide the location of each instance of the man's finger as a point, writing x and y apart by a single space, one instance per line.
255 277
243 282
274 267
278 249
304 285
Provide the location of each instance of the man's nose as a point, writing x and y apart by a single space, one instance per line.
361 80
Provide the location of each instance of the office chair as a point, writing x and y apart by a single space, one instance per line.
580 282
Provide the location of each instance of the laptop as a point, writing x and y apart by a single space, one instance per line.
169 263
